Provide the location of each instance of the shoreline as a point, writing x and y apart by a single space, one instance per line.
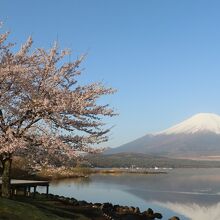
105 210
96 211
64 173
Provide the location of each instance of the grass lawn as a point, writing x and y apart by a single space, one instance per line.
41 208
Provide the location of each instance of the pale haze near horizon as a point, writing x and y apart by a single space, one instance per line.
162 56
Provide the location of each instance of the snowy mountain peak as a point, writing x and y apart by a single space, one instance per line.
202 122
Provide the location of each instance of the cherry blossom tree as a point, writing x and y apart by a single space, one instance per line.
43 110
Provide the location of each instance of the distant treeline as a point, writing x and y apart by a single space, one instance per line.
146 161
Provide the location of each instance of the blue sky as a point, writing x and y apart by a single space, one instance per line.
163 57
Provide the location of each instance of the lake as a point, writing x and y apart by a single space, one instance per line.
188 193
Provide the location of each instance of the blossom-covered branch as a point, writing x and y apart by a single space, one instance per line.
43 110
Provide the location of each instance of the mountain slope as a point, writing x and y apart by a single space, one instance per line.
197 136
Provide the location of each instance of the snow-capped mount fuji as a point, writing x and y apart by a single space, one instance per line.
202 122
196 136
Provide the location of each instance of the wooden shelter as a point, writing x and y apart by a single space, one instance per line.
26 186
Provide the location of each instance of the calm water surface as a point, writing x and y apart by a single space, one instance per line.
189 193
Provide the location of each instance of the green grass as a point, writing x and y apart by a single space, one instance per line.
17 210
37 209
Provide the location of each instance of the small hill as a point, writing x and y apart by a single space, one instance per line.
147 161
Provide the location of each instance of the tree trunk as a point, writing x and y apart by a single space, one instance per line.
6 178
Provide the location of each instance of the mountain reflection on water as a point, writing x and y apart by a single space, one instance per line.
189 193
194 211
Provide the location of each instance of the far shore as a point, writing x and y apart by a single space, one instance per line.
60 173
81 172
